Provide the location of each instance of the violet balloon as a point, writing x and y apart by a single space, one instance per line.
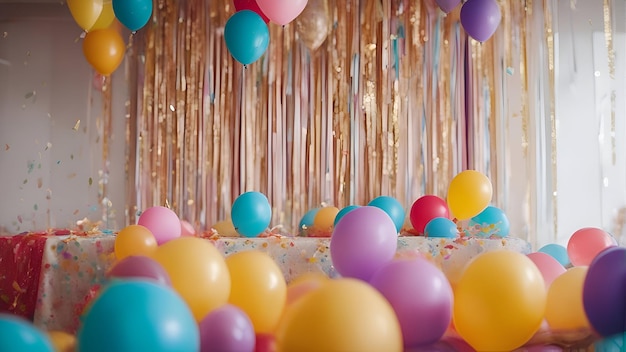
363 241
480 18
140 267
227 329
604 292
421 296
447 5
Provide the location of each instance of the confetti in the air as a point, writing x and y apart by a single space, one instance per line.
5 34
48 146
39 182
76 125
35 207
30 165
90 181
7 147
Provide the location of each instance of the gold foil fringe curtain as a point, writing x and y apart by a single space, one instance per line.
353 100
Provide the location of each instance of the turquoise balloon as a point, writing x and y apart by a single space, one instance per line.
307 219
441 227
247 36
343 212
557 251
18 334
134 14
392 207
135 315
491 222
251 214
611 344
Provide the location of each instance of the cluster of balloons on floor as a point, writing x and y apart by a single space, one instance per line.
103 45
479 18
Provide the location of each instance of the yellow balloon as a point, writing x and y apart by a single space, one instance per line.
341 315
85 12
565 309
134 240
198 273
225 228
104 50
62 341
499 301
324 219
106 16
257 287
469 193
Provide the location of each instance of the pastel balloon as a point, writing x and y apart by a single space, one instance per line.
469 193
307 220
585 244
325 218
62 341
480 18
162 222
392 207
227 329
421 296
441 227
18 334
282 11
186 228
447 5
140 267
343 212
425 209
250 5
491 222
341 315
104 50
302 285
564 308
247 36
85 12
499 301
557 252
134 14
611 344
549 267
364 240
251 213
106 17
138 316
134 240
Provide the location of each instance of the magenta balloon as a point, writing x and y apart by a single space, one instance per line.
604 292
447 5
363 241
140 267
421 296
480 18
227 329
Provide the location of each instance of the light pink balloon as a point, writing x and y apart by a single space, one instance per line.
162 222
586 243
187 229
282 11
549 267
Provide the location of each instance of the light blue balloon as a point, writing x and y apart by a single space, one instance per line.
18 334
251 214
441 227
392 207
616 343
247 36
134 14
490 222
307 219
343 212
138 315
557 251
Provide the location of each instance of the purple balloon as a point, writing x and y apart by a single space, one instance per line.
140 267
604 292
363 241
227 329
447 5
480 18
421 296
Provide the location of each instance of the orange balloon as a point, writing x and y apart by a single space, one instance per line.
134 240
62 341
325 219
104 50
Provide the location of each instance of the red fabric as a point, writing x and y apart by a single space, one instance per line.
20 268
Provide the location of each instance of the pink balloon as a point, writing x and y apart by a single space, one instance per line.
549 267
426 208
282 11
250 5
162 222
187 229
480 18
140 267
586 243
447 5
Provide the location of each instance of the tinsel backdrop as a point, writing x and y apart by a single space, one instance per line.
352 100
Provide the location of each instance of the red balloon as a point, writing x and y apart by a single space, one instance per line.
427 208
250 5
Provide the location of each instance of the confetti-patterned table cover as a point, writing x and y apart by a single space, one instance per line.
71 265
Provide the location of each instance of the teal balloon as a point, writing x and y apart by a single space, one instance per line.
441 227
492 221
134 14
138 315
392 207
611 344
247 36
251 214
557 251
343 212
18 334
307 219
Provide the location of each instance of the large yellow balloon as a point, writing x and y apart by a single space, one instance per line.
104 50
106 16
469 193
325 218
257 287
62 341
85 12
499 301
565 309
134 240
198 273
341 315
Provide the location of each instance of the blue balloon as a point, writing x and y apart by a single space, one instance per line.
247 36
307 219
343 212
613 343
251 214
392 207
138 315
491 222
18 334
441 227
557 251
134 14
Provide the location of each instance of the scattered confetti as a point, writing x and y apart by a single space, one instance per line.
36 207
58 162
30 165
76 125
90 181
510 70
39 182
30 94
75 212
7 147
25 181
172 107
72 175
19 219
48 146
48 194
72 156
5 34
